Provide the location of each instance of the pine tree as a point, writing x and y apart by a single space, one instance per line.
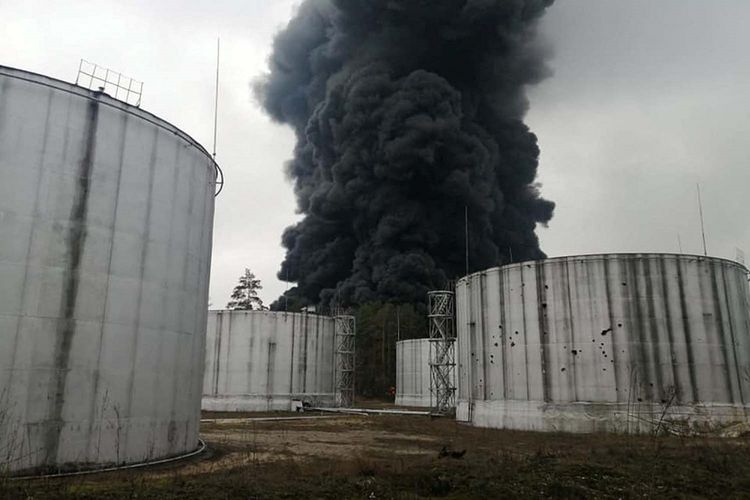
245 294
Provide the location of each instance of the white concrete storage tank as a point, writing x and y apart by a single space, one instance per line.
413 373
106 215
261 360
626 342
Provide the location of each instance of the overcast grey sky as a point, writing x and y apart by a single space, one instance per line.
647 99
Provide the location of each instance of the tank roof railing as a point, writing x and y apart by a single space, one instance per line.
123 88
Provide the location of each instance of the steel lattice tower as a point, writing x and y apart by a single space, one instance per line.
442 351
345 349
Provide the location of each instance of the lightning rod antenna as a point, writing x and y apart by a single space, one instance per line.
703 226
466 227
216 101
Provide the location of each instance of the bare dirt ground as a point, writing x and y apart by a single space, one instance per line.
378 457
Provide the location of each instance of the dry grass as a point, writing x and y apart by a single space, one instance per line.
398 457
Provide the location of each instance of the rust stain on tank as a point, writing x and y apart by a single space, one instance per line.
75 242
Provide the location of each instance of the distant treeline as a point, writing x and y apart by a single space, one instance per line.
379 326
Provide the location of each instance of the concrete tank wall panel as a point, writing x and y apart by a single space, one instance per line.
609 342
413 373
261 360
106 216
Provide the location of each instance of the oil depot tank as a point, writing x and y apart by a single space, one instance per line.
261 360
413 373
106 215
625 342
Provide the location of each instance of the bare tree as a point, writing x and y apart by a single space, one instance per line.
245 294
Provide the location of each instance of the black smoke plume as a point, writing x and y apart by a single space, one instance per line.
407 112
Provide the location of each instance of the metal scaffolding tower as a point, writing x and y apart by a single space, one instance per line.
345 349
442 351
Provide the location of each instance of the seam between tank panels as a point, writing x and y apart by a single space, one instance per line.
170 246
677 383
574 289
197 311
703 331
483 332
207 252
139 305
610 315
542 305
30 245
525 338
105 308
304 355
225 345
175 374
589 317
687 334
652 335
720 336
217 353
632 301
732 336
503 331
568 301
65 152
291 357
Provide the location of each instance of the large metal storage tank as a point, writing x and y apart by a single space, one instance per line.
628 342
106 215
261 360
413 373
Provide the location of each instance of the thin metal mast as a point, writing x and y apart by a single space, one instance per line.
216 102
286 292
398 323
466 225
703 226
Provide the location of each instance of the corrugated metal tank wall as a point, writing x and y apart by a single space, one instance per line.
413 373
606 342
106 217
261 360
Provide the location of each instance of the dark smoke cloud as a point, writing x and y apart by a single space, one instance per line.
406 112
